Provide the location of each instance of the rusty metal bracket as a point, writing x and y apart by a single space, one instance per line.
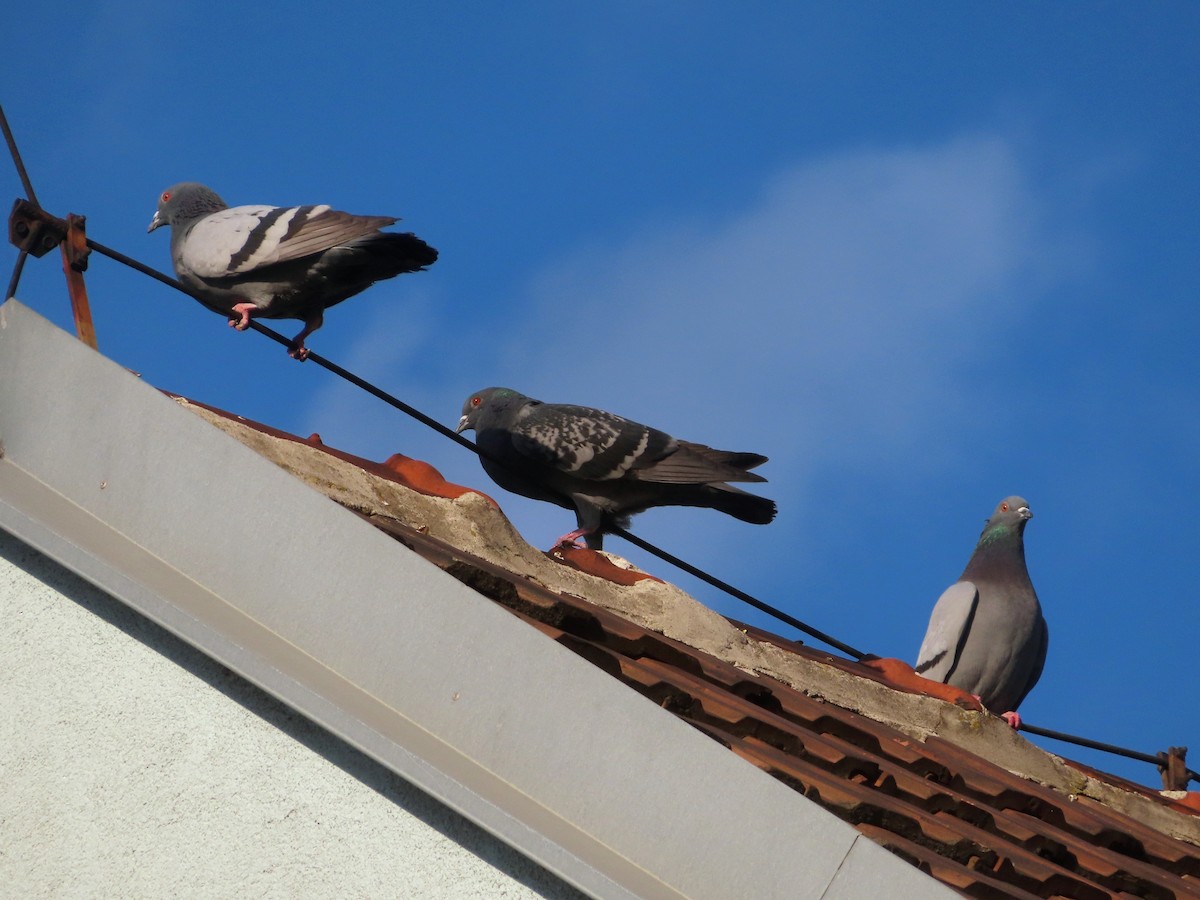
75 257
76 245
1173 766
34 230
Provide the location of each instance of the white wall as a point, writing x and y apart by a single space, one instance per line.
132 765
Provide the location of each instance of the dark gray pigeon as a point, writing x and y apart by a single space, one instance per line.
604 467
987 635
280 262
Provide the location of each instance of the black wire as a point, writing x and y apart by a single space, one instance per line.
16 157
280 339
736 592
29 195
416 414
388 398
620 532
1100 745
16 275
470 445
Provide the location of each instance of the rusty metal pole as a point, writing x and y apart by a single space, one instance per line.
75 258
35 231
1173 766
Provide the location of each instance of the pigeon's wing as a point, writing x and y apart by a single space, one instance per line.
237 241
586 443
698 464
949 625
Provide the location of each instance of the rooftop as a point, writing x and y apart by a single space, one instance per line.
954 791
950 790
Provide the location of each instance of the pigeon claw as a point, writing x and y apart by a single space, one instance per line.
243 311
1013 720
571 539
297 350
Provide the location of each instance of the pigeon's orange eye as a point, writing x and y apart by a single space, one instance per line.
1003 507
166 196
474 401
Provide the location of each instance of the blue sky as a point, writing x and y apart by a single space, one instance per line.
921 258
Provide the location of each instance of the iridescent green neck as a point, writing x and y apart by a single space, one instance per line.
997 532
1000 553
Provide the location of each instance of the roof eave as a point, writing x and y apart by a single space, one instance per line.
118 483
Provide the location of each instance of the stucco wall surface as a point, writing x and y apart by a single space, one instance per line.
131 765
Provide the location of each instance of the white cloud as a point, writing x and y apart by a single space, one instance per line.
846 319
393 348
832 319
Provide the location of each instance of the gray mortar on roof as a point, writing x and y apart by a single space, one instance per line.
474 526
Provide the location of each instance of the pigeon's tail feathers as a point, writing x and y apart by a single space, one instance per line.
387 254
741 504
356 265
418 251
739 460
697 464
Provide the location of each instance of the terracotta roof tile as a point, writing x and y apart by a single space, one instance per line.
598 564
412 473
967 822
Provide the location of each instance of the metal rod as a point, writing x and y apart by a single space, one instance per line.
1098 745
462 441
389 399
16 275
280 339
620 532
459 439
16 157
738 593
76 288
81 310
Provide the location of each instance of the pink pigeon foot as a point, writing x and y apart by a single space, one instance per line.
571 539
1013 720
244 311
298 351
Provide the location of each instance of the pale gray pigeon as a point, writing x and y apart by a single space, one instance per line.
987 635
280 262
604 467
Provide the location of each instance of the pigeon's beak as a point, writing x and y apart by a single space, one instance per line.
155 223
462 425
1025 512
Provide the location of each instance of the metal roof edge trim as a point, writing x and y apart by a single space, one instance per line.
101 472
104 558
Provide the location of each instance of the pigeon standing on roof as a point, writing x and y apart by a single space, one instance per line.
987 635
603 466
280 262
